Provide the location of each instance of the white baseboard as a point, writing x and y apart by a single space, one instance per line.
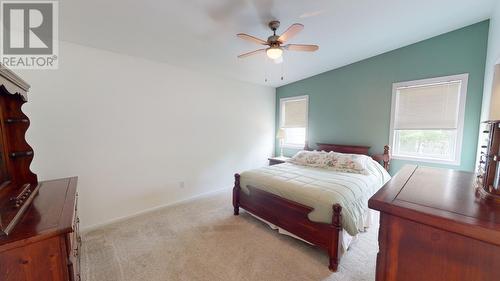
119 219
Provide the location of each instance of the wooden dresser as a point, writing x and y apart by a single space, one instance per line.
44 245
38 223
434 227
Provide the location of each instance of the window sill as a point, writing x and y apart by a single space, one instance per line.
425 160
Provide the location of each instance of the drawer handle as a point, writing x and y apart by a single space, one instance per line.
21 197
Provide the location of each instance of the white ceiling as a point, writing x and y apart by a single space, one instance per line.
201 34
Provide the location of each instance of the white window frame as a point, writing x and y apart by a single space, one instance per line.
282 102
464 78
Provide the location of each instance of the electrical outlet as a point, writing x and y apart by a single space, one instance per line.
181 184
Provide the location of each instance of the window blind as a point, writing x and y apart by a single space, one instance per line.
495 95
427 106
294 113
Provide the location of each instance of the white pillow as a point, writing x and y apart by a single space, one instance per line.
341 162
348 163
309 158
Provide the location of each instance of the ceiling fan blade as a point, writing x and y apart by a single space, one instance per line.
301 47
290 32
251 38
251 53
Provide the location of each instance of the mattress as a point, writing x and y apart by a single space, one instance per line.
321 188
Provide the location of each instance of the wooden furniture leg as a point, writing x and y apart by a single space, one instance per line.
236 194
334 251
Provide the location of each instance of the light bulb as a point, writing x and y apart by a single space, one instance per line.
274 52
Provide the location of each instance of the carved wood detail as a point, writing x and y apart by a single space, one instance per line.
20 152
15 153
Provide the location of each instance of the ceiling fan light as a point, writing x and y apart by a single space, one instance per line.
274 53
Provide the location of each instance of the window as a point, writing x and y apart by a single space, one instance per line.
427 119
293 120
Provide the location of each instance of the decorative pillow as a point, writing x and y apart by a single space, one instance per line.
341 162
348 163
310 158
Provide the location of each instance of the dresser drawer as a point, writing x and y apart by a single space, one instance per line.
42 259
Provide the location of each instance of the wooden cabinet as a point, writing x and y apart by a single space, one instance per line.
38 220
433 226
45 244
488 170
18 184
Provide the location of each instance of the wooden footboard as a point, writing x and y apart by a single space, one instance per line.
292 217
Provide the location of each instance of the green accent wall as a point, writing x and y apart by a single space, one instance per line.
352 104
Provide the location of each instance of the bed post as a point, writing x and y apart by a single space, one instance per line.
334 251
236 194
386 158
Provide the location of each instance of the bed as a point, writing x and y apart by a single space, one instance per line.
298 200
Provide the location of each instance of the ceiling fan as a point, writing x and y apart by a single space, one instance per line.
275 42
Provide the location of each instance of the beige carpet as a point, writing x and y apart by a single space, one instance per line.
202 240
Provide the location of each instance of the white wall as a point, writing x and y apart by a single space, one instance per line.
492 58
141 134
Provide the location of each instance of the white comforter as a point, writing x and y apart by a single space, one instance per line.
321 188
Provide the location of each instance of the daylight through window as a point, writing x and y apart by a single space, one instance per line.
293 120
427 119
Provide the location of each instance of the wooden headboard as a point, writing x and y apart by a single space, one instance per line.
384 159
